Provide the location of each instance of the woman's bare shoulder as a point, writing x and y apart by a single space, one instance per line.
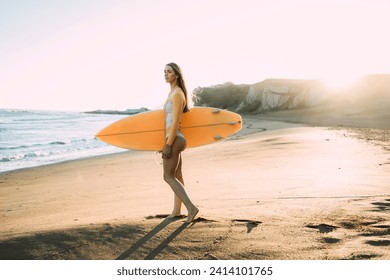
178 94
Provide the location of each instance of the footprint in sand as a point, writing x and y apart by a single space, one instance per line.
379 231
358 256
323 228
330 240
378 242
382 206
250 223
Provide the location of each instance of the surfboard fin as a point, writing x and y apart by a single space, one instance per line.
215 111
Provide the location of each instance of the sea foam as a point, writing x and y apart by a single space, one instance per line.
33 138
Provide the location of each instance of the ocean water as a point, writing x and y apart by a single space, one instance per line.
34 138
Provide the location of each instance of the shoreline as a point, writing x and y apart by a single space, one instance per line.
243 132
291 191
260 122
61 162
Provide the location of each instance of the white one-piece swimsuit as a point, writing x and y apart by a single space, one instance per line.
168 120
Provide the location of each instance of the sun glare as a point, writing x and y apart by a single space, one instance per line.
340 82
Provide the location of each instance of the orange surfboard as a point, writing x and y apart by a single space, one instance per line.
146 131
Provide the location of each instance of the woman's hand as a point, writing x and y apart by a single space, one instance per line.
166 152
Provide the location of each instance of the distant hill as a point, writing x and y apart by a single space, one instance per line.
370 93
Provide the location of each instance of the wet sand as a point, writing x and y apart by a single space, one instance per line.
276 190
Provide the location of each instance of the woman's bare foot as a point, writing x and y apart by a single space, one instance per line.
191 214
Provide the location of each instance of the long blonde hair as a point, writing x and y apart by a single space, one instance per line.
181 83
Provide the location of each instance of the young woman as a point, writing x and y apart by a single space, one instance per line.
175 105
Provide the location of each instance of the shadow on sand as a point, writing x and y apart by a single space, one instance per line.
154 252
104 241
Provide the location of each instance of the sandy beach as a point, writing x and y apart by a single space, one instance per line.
276 191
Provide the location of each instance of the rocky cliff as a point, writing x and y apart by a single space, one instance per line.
286 94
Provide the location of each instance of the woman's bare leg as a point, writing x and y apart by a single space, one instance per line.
177 201
171 173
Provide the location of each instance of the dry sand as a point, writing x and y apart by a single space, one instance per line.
275 191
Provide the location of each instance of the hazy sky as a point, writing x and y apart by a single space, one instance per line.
110 54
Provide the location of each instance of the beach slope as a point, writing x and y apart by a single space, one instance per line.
274 191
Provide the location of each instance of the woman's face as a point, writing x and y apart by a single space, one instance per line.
170 75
